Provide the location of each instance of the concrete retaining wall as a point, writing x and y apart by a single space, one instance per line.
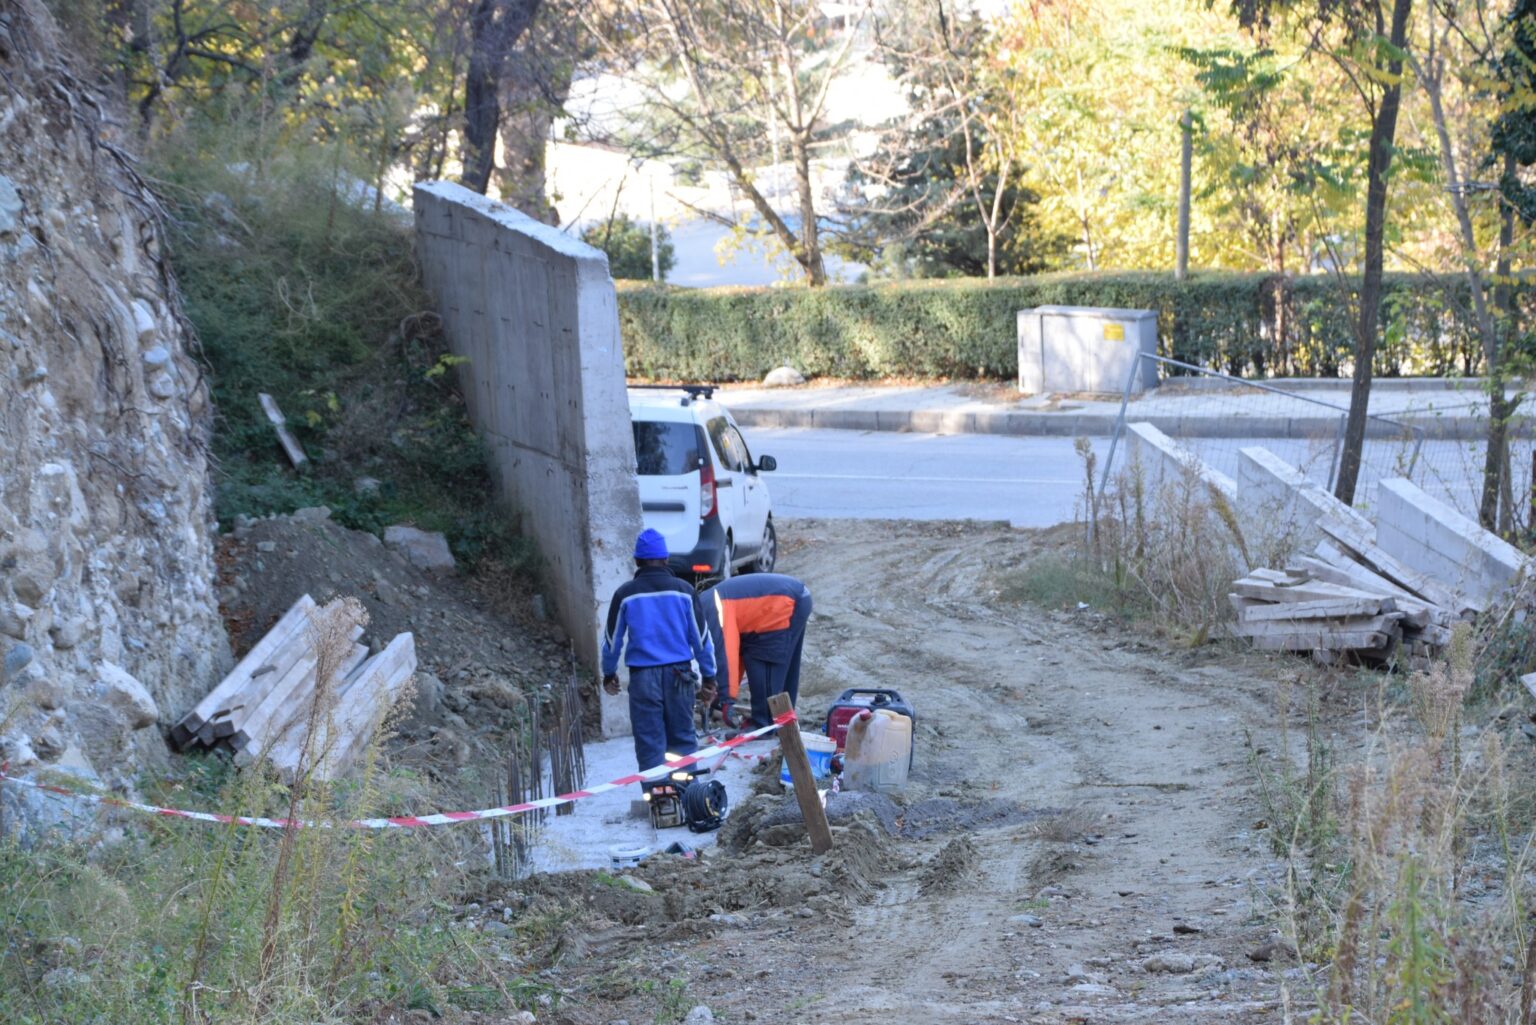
1433 538
534 311
1165 461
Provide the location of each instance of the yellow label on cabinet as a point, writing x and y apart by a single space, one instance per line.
1114 332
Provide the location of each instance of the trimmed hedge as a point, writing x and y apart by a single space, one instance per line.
966 328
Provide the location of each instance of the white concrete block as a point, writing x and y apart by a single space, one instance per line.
1274 495
1165 461
1434 538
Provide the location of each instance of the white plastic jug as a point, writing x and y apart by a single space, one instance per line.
879 752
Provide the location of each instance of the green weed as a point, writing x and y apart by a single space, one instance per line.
296 292
184 922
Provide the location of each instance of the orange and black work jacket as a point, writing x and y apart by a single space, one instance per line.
751 617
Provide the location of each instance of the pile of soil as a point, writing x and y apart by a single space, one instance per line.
718 888
477 666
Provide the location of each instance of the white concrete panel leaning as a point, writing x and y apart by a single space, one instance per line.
534 312
1086 349
1165 461
1367 592
1435 539
1272 492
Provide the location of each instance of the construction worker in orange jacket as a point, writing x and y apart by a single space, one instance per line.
757 623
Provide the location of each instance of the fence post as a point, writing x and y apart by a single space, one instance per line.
1333 460
1109 460
811 809
1418 446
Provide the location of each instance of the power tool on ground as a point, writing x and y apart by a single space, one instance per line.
686 798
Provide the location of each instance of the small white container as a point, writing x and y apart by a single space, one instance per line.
622 856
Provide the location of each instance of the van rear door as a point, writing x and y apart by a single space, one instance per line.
667 456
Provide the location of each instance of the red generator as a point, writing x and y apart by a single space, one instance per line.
864 699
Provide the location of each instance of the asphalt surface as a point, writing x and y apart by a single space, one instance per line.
1039 481
1028 482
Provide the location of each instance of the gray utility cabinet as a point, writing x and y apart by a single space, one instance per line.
1085 349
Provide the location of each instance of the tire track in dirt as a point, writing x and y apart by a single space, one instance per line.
1054 712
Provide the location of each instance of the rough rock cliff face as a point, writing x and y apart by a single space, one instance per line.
108 624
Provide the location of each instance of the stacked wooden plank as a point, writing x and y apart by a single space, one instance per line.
265 707
1348 599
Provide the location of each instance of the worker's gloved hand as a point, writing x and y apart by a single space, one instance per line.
611 683
707 691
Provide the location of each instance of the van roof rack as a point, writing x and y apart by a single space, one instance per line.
697 391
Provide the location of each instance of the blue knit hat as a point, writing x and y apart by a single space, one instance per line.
650 545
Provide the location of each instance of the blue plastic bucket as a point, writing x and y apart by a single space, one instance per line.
819 751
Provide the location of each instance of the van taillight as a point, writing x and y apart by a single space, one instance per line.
706 491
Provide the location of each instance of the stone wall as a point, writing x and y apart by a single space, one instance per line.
107 618
533 311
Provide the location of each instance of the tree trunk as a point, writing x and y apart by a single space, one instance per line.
810 237
1496 468
1496 458
1383 132
306 32
494 28
1181 238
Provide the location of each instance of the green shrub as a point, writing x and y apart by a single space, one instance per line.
315 299
966 328
628 245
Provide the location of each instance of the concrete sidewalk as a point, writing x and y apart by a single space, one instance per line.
1448 409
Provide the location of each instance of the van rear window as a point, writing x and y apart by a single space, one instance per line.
664 449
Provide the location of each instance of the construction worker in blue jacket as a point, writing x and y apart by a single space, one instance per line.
757 623
658 623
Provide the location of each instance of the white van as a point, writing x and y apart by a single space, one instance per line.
699 485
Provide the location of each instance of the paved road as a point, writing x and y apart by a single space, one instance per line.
1038 482
1030 482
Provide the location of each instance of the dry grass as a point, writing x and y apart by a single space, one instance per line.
1410 863
1178 546
1066 825
193 923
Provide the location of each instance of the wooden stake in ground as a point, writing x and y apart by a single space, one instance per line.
805 784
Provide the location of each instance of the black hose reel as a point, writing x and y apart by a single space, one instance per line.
705 804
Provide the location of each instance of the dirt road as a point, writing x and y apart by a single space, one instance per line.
1112 870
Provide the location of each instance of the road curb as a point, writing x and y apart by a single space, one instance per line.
1071 425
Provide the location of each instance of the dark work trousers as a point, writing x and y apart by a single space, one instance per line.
776 670
661 713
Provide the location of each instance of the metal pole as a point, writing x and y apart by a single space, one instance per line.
655 251
1114 441
1186 152
1333 460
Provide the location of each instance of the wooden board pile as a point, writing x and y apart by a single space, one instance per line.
262 708
1348 599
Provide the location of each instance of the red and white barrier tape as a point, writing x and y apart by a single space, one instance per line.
742 755
447 818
